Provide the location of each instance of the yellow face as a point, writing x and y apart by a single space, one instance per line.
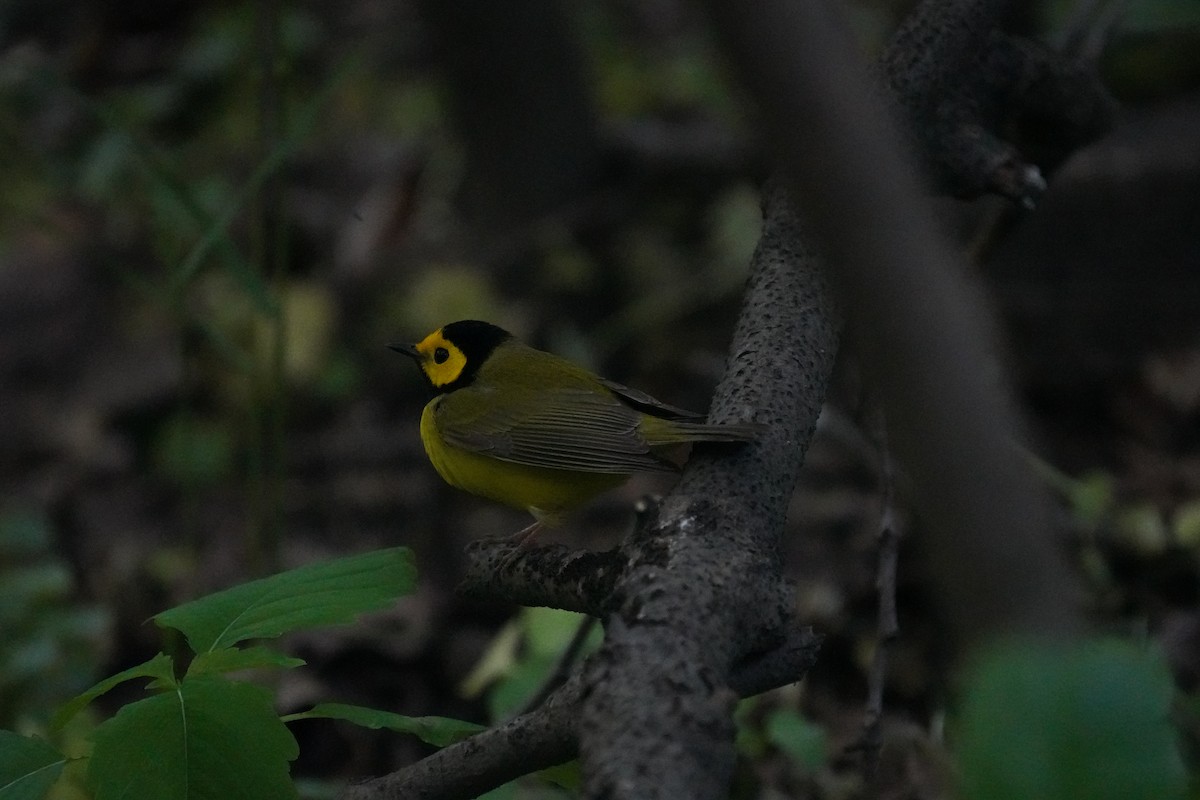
451 356
441 360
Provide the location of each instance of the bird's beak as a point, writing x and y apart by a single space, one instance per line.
407 349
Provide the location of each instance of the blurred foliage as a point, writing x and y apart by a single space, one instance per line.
520 661
801 740
445 293
522 656
192 451
1069 721
49 640
772 722
1153 52
633 79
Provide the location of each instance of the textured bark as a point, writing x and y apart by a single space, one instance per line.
988 112
703 590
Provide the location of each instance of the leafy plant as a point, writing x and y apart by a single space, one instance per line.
28 767
201 734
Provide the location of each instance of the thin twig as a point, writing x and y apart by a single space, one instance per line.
889 626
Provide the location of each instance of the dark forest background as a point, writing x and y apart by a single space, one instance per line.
214 216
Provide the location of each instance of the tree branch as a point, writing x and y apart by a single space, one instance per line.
921 330
548 735
524 744
963 87
703 590
551 575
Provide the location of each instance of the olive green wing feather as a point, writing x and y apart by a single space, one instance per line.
665 424
647 404
572 428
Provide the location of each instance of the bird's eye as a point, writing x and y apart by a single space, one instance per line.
440 355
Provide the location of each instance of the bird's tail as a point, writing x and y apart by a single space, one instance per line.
677 432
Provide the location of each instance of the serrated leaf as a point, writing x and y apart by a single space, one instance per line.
437 731
231 659
1071 722
28 767
207 739
319 594
160 668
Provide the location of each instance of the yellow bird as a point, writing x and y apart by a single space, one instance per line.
534 431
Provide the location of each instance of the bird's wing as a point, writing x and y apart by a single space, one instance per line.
650 405
567 428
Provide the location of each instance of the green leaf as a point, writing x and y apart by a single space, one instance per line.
496 662
569 775
319 594
750 740
161 668
505 791
231 659
549 630
1069 722
437 731
207 739
28 767
521 656
523 679
798 738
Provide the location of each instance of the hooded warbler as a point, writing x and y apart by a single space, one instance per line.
534 431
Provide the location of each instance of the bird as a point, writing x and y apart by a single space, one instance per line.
535 431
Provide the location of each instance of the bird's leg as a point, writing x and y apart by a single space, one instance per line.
521 540
526 534
523 537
